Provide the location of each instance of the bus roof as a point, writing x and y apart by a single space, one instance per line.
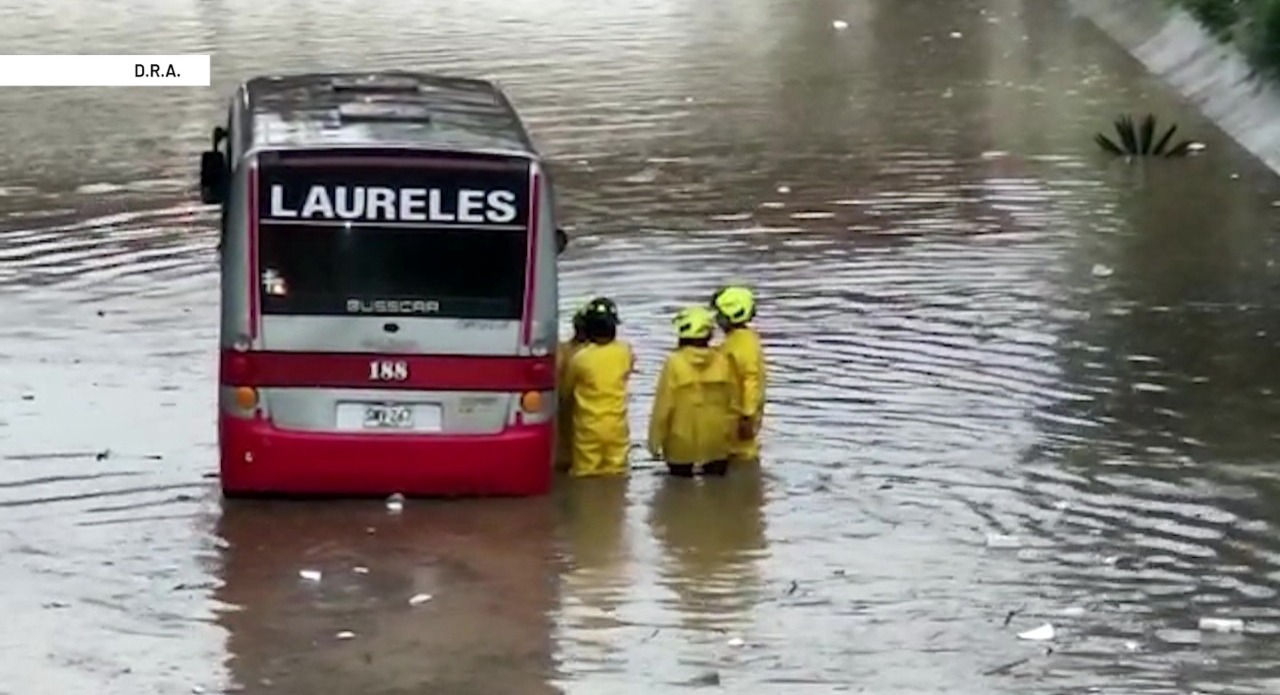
381 109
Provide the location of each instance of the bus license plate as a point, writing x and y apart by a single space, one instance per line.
382 417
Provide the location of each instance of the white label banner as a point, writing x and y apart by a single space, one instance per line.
187 70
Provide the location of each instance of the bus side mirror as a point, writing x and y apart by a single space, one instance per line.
562 241
213 177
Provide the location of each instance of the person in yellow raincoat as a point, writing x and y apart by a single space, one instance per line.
597 378
694 419
564 413
735 308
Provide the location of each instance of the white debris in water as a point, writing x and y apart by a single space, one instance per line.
1062 505
395 503
994 154
1102 271
1195 147
1073 611
1043 633
737 642
360 569
1132 646
956 35
948 94
346 634
1222 625
1235 176
784 189
1003 541
310 575
840 24
648 175
419 599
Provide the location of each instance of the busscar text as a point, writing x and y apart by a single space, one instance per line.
392 306
385 204
154 70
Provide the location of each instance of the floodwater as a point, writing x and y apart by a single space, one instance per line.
978 327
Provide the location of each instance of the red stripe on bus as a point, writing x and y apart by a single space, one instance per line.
253 252
353 370
531 259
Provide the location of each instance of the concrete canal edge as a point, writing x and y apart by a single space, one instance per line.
1212 75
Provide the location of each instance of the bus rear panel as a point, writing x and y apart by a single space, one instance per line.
388 324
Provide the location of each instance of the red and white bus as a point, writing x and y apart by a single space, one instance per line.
389 289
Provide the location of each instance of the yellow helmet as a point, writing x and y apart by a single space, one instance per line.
694 322
735 304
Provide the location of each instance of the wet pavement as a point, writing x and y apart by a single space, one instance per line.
1013 382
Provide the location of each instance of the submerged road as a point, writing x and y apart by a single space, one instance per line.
1013 383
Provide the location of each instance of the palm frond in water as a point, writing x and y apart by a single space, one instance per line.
1147 135
1139 139
1164 140
1105 143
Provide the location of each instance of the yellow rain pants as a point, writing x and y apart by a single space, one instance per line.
742 346
597 377
564 411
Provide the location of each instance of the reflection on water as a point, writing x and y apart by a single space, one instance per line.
485 629
712 533
979 325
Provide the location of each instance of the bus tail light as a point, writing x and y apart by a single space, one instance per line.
531 402
246 398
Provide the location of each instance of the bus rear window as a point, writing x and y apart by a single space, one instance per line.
335 270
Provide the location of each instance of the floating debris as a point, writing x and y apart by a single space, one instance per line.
345 634
784 189
956 35
1002 541
1132 646
1195 147
1043 633
708 679
360 569
1073 611
310 575
1140 141
1102 271
840 25
1005 668
395 503
1222 625
419 599
737 642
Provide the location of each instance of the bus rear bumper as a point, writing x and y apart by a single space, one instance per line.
260 459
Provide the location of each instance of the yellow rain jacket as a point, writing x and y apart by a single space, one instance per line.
695 409
564 413
597 379
742 346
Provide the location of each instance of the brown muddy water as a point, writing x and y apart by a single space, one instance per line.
979 329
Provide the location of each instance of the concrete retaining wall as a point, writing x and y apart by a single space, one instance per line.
1212 75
